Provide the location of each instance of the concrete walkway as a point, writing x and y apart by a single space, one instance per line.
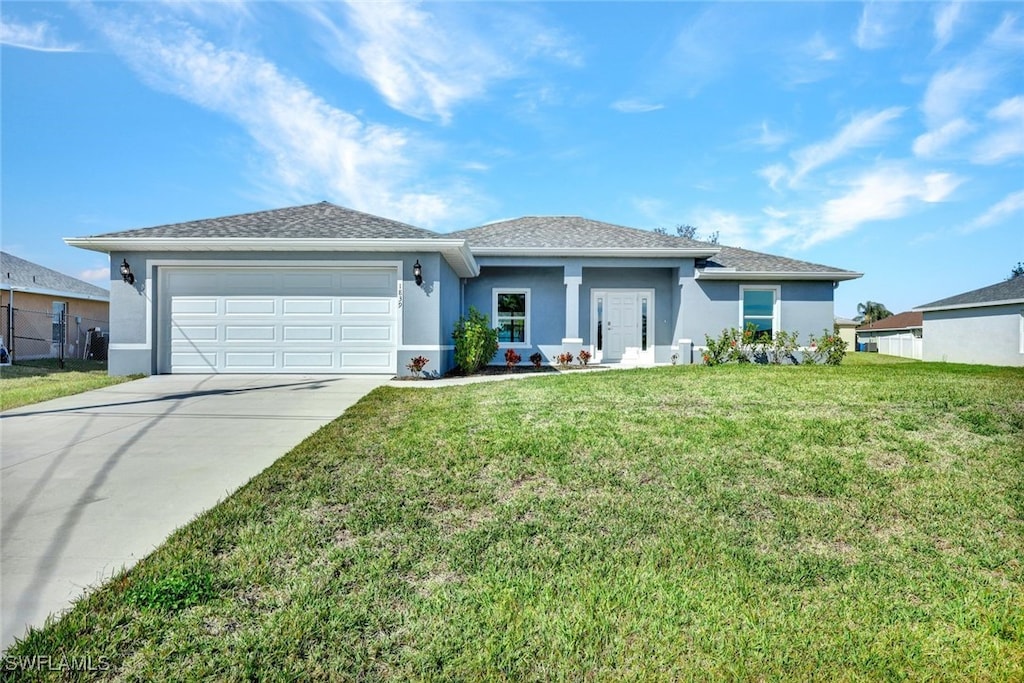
92 483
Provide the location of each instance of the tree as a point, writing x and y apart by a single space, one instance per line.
689 232
870 311
1017 271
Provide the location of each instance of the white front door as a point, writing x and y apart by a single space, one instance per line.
622 330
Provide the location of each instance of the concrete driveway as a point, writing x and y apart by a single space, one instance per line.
92 483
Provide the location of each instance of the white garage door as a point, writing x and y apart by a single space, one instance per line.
279 320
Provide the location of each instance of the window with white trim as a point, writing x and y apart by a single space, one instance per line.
512 316
759 306
1022 331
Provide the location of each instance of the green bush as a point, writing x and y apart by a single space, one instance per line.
476 341
829 349
751 346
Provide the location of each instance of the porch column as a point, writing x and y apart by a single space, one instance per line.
573 280
681 348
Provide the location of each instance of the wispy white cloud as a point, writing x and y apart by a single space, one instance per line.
864 130
877 24
635 106
427 60
311 149
733 229
884 193
773 174
1006 139
946 18
1007 207
949 91
933 143
39 36
770 138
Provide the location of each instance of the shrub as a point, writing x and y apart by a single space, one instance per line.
564 359
511 358
476 341
417 364
783 348
536 359
750 346
584 357
829 349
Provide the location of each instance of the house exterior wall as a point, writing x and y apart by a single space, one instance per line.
134 332
991 335
710 306
848 334
547 304
34 321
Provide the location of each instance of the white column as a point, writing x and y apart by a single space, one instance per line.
573 280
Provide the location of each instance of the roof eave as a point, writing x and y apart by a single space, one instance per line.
62 293
722 274
458 255
584 252
982 304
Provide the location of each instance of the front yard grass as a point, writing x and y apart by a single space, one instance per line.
31 382
682 523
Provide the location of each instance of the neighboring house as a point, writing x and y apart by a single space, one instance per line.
34 300
983 326
325 289
897 335
847 330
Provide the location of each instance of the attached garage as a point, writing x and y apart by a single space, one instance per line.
278 319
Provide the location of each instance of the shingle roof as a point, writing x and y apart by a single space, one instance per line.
745 260
1011 290
569 232
323 220
900 321
32 277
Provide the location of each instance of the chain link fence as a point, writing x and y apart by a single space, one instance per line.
70 342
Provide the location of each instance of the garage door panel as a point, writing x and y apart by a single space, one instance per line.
302 361
308 333
366 306
278 320
250 333
201 333
247 306
366 333
309 307
194 361
364 360
188 305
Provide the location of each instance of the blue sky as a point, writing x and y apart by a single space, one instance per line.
883 137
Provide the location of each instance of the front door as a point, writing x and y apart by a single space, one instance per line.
621 331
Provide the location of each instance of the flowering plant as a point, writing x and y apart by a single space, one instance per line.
564 358
536 359
584 357
511 358
417 364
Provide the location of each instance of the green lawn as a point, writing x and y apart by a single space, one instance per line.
35 381
681 523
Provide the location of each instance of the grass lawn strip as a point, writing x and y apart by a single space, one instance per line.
36 381
860 522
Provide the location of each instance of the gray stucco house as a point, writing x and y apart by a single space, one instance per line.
325 289
984 326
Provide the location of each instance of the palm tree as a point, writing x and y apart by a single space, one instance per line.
870 311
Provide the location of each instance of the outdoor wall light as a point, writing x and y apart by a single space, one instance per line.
126 272
417 272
